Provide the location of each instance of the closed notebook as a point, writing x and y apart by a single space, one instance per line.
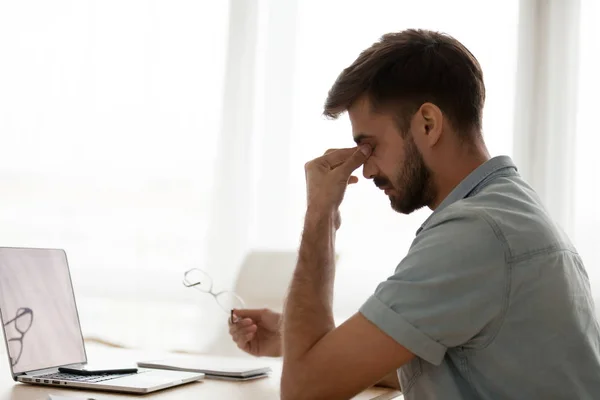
213 366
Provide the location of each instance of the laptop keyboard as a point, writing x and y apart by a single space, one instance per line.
61 376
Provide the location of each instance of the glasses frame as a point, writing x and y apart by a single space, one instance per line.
187 283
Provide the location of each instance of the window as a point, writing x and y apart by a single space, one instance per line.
109 113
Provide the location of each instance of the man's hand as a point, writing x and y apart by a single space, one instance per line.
328 176
257 332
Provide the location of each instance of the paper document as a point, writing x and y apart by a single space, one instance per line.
213 366
53 397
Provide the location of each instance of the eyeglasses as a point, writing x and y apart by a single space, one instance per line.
23 321
200 280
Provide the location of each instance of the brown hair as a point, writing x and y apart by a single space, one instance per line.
403 70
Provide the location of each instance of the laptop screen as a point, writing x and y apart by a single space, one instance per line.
39 316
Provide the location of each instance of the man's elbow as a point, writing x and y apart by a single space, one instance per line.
296 385
290 388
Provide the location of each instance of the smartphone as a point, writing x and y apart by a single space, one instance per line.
83 370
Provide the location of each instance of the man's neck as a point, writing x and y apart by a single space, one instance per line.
465 162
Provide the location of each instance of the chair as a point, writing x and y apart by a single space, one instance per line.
264 278
262 282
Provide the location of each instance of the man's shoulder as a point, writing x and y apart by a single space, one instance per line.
505 200
513 213
463 218
482 220
456 239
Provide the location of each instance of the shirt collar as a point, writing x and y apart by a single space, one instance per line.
471 182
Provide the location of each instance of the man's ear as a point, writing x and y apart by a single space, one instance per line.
431 120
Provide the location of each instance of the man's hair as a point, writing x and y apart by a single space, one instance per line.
403 70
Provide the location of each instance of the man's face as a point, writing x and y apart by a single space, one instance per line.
396 164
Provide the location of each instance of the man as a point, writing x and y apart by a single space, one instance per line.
492 300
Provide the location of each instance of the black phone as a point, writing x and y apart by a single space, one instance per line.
83 370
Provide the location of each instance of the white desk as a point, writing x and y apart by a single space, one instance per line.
263 389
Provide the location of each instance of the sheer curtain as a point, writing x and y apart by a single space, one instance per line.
147 137
109 120
587 141
555 130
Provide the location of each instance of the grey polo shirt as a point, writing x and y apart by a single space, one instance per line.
492 298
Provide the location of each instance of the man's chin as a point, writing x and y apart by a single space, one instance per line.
396 204
400 207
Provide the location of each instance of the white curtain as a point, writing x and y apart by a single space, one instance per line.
586 178
546 103
148 137
555 131
110 115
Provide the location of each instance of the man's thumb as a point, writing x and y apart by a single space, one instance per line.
254 314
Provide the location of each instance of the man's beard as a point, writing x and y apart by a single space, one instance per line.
414 187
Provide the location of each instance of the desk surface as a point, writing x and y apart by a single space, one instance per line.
263 389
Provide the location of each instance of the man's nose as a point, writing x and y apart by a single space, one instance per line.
369 169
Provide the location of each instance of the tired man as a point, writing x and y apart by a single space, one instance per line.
492 300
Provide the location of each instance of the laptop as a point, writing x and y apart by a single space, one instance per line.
42 331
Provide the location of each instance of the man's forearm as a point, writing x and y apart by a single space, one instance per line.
308 310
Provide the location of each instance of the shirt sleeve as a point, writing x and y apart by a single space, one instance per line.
448 288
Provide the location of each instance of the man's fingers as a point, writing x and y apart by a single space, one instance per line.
254 314
241 336
242 323
352 179
245 346
235 330
331 151
249 329
333 158
356 159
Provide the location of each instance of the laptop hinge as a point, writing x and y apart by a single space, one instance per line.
48 370
41 372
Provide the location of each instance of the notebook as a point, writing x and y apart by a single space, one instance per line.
215 367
